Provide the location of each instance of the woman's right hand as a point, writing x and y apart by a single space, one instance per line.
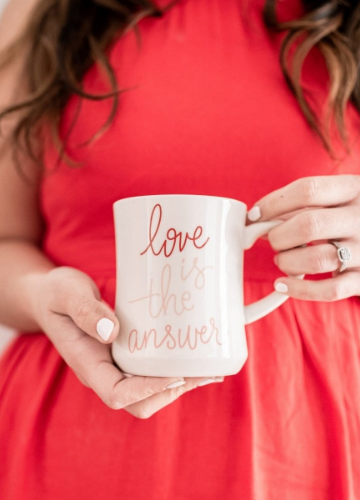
68 307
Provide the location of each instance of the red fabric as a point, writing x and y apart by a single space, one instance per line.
207 111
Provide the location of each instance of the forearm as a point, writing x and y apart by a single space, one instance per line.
22 265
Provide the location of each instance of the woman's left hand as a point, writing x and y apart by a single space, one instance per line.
320 210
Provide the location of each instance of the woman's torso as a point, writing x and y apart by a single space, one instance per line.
205 110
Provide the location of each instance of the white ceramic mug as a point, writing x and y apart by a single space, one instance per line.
179 289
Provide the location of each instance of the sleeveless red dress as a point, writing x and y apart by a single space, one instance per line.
206 111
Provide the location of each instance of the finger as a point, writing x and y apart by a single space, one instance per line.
313 259
314 225
320 191
93 364
148 407
78 297
95 318
122 392
344 285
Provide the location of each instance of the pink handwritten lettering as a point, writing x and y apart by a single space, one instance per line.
200 276
167 247
165 298
191 337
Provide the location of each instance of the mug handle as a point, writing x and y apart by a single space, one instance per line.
262 307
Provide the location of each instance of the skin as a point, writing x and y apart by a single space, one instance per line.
316 210
66 304
62 302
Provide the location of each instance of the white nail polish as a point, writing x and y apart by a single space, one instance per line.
207 381
179 383
254 214
104 328
281 287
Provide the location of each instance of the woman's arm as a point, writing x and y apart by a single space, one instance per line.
20 221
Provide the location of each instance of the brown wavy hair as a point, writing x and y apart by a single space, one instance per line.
64 38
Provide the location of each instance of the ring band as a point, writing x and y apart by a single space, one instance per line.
344 255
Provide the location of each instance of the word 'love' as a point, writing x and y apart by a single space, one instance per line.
173 236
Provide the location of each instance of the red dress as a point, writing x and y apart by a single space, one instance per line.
207 111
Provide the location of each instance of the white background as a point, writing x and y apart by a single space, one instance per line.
5 334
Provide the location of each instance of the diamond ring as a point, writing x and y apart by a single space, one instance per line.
344 255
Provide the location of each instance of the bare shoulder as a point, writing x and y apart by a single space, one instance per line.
19 212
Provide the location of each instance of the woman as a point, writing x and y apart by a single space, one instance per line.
204 108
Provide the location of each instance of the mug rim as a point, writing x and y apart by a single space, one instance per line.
178 196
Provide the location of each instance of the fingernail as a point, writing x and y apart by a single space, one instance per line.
254 214
281 287
104 328
178 383
127 375
207 381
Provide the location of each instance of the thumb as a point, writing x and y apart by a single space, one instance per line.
95 318
77 296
